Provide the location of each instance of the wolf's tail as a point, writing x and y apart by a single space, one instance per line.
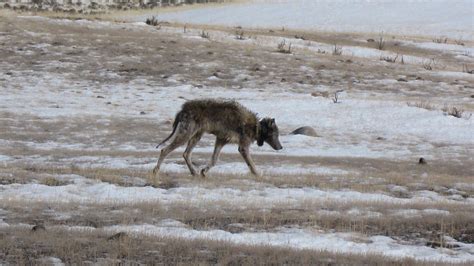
177 119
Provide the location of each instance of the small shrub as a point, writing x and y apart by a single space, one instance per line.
205 35
320 51
390 59
282 48
53 182
422 105
459 42
380 42
324 94
337 50
466 69
301 37
239 35
428 65
153 21
466 53
440 40
455 111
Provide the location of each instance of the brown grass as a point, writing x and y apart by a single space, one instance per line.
21 246
51 181
422 105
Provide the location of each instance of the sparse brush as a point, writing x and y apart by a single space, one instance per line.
459 42
467 69
380 42
320 51
205 35
428 65
336 50
282 48
239 35
466 53
455 111
390 59
440 40
422 105
53 182
153 21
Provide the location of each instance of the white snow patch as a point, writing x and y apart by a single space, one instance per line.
309 239
432 18
90 191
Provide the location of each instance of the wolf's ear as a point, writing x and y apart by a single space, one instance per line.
272 121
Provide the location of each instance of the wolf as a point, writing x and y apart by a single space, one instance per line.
229 121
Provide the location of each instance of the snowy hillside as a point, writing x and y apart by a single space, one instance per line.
453 19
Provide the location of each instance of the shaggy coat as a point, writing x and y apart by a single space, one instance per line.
229 121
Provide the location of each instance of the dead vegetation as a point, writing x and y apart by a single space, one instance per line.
467 69
240 35
337 50
51 181
153 21
455 111
20 246
283 48
440 39
205 35
106 247
429 64
380 42
390 59
422 105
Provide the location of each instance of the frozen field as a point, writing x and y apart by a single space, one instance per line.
83 104
452 19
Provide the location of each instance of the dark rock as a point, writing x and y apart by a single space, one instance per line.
142 112
100 97
402 80
422 161
370 40
307 131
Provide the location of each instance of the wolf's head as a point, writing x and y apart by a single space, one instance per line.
269 133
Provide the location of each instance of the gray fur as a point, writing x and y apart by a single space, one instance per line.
229 121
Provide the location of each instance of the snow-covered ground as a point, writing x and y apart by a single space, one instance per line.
437 18
89 116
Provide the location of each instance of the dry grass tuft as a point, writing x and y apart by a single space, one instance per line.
20 246
455 111
337 50
422 105
440 39
380 42
390 59
54 182
283 48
